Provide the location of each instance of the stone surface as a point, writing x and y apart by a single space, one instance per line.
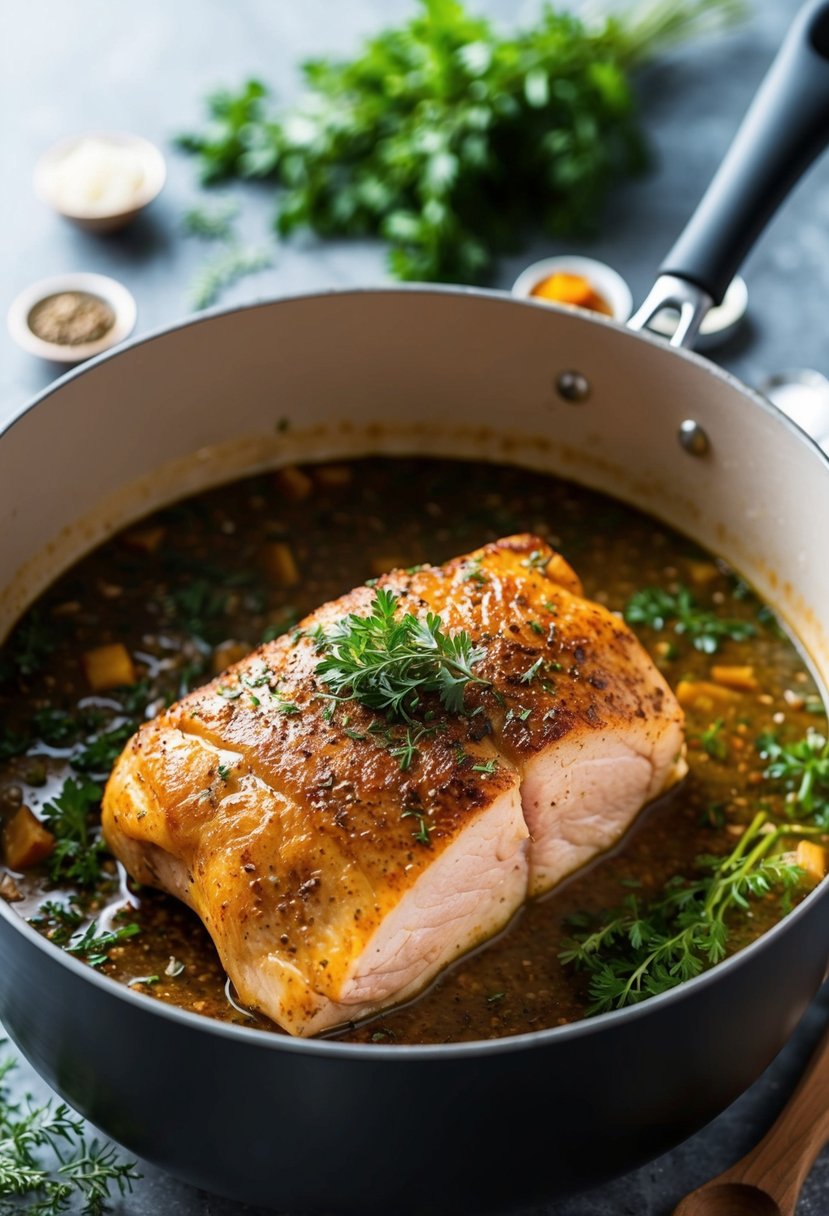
93 64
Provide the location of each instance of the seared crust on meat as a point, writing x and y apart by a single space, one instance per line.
333 879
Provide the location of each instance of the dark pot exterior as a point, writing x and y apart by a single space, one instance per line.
325 1127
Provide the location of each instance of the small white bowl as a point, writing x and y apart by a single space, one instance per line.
606 281
109 290
100 216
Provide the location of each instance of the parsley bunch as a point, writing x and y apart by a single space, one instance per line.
387 662
650 946
445 136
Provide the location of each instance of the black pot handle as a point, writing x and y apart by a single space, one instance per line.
785 129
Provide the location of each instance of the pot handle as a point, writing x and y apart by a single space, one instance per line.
786 127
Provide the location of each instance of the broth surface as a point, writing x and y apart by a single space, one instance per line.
194 587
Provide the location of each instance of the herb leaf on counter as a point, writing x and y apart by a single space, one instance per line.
228 267
45 1156
211 223
387 662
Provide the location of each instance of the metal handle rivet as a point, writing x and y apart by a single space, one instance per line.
693 438
573 387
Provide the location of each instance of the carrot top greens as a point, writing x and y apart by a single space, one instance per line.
648 946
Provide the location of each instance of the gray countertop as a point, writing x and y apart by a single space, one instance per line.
93 64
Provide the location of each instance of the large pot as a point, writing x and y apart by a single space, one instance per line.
318 1126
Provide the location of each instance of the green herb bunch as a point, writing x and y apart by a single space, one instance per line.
650 946
446 137
388 662
46 1159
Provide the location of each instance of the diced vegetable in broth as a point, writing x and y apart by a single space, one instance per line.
181 596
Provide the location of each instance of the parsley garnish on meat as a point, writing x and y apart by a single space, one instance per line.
657 608
421 834
388 662
648 946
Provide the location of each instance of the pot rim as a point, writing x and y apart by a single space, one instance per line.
250 1036
496 295
588 1026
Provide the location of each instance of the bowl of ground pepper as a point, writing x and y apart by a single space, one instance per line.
69 318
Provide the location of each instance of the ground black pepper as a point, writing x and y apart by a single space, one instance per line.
71 318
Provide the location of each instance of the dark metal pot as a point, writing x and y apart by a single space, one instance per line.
317 1126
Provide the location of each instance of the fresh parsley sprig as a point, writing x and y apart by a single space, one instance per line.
79 849
802 768
389 662
658 608
649 946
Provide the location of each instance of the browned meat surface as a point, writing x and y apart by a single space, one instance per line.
334 879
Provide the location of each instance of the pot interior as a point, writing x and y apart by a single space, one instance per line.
440 372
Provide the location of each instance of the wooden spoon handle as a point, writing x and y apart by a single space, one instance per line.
781 1161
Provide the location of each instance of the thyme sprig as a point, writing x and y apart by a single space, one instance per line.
228 267
46 1158
649 946
389 662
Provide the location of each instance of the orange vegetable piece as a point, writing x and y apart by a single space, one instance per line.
281 563
293 483
704 695
811 857
144 540
571 289
740 678
26 841
108 667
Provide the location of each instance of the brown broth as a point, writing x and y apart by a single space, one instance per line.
207 582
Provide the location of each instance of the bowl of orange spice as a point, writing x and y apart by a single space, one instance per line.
576 282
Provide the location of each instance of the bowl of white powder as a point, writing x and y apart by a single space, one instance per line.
100 181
